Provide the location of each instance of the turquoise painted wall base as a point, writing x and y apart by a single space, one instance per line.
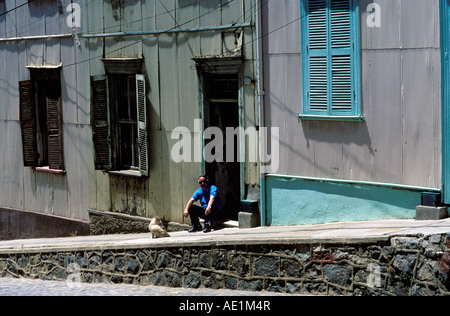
299 201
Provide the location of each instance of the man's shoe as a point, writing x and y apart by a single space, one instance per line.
207 228
195 229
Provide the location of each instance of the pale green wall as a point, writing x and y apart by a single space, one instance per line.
299 201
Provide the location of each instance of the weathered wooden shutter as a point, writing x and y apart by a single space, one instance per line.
27 123
101 134
142 124
55 132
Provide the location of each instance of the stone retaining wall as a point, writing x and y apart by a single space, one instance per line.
403 266
104 223
21 224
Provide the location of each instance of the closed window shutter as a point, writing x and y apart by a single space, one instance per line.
27 123
142 124
340 23
100 123
341 78
318 80
55 133
329 58
317 16
318 61
341 84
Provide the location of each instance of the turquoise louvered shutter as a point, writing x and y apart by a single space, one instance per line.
341 79
330 58
318 60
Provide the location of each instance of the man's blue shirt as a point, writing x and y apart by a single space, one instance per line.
204 197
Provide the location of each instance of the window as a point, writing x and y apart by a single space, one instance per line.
41 119
124 109
120 122
330 59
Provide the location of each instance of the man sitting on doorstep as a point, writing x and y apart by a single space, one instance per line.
210 209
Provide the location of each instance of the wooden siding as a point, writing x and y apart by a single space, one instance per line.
400 140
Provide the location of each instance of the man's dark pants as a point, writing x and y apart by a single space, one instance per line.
196 212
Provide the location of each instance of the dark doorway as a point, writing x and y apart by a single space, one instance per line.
221 109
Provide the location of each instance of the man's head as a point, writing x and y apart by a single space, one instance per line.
203 181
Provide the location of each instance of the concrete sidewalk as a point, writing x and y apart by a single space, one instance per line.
341 232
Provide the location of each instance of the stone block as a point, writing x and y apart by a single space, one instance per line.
248 220
249 206
431 212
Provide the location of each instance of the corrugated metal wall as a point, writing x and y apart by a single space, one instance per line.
23 188
400 140
173 96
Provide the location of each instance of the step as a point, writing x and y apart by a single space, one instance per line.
223 224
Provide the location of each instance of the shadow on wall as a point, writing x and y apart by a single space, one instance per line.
19 224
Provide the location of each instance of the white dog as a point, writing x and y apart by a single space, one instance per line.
156 230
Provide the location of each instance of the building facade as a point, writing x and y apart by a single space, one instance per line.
106 105
191 58
44 118
117 106
355 87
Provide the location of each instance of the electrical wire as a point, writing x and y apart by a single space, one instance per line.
177 25
15 8
103 29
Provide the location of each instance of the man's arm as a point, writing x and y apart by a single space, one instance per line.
186 209
210 204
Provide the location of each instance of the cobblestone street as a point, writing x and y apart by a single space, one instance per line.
28 287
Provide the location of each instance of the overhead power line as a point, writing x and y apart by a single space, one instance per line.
178 25
15 8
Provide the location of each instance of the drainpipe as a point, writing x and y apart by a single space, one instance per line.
260 101
36 37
